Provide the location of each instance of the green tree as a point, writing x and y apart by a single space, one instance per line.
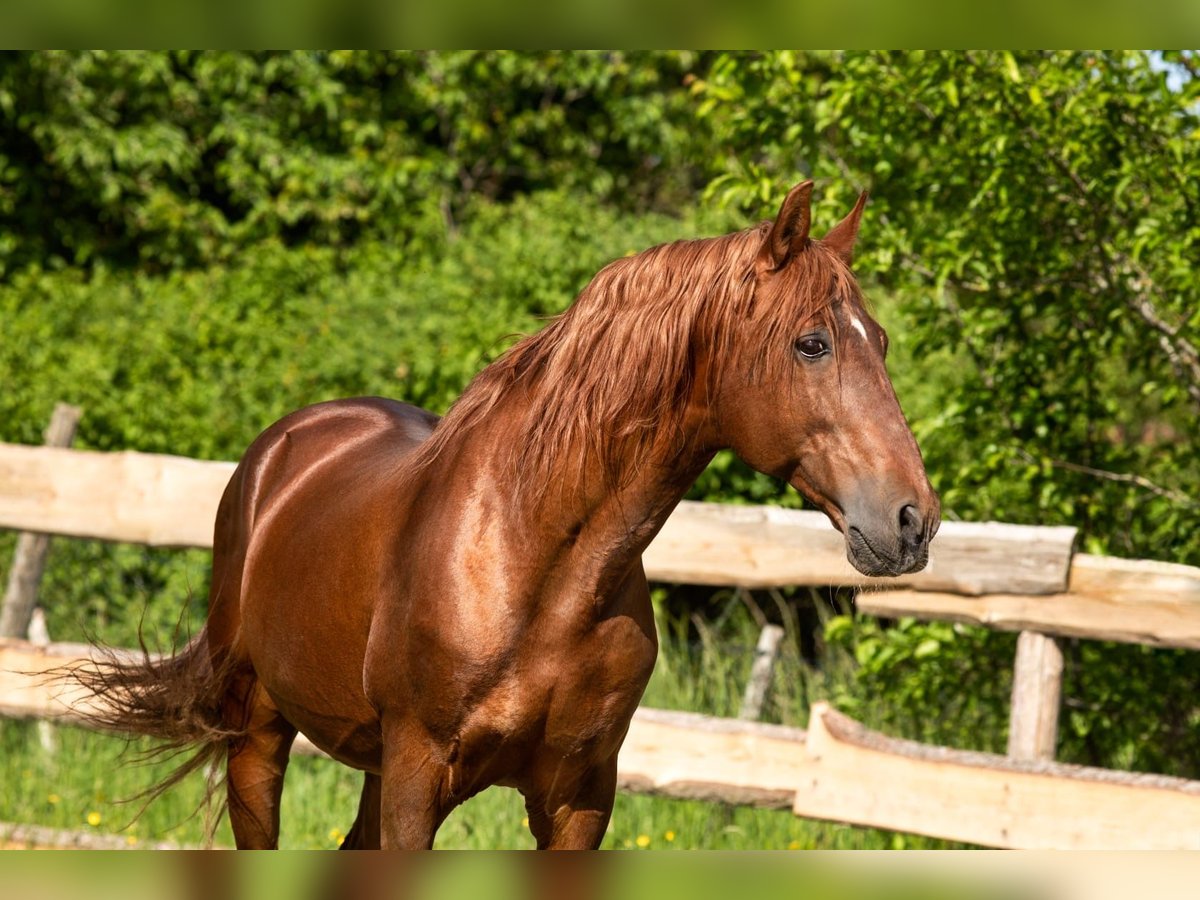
1035 217
179 159
1036 214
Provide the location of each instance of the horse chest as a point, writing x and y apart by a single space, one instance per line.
569 669
559 712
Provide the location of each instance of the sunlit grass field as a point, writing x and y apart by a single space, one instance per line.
79 786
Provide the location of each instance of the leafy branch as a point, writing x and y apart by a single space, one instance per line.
1140 481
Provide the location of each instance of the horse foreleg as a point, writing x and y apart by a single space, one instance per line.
416 789
364 833
578 821
256 765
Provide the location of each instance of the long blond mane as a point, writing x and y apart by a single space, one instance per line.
613 373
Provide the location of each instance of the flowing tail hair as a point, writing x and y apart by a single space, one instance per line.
176 699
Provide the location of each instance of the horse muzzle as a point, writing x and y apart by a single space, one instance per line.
899 545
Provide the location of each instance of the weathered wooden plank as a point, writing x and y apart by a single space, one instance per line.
695 757
140 498
1135 601
1036 697
674 754
762 546
864 778
842 772
25 692
1133 581
167 500
14 836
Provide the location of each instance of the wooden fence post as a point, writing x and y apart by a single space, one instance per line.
39 636
1036 697
765 655
29 560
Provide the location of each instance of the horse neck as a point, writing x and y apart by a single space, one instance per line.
593 519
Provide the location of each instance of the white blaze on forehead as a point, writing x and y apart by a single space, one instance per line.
858 326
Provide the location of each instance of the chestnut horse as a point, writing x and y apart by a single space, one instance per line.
448 605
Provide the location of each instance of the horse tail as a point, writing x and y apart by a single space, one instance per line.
177 699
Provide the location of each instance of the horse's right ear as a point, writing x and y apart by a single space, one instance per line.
789 232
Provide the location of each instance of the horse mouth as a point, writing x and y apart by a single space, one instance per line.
874 562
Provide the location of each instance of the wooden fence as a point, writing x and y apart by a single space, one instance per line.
1003 576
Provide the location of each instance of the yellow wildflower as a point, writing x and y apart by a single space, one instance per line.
794 845
53 799
670 836
643 841
93 818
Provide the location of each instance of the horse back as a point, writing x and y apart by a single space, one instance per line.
334 449
348 434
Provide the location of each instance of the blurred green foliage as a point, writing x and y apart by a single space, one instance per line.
179 159
1036 214
1034 226
193 244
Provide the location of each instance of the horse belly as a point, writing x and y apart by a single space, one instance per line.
351 738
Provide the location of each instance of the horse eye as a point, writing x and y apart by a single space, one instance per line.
811 347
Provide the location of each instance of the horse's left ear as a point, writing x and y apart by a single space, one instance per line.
789 232
845 232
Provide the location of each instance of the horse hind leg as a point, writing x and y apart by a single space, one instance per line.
256 763
364 833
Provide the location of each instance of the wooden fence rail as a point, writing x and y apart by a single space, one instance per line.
147 498
837 770
1012 577
1131 600
1003 576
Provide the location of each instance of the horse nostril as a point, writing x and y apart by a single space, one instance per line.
910 525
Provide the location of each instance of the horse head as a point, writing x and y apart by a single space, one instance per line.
804 394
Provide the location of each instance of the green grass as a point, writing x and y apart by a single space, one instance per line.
88 773
78 786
